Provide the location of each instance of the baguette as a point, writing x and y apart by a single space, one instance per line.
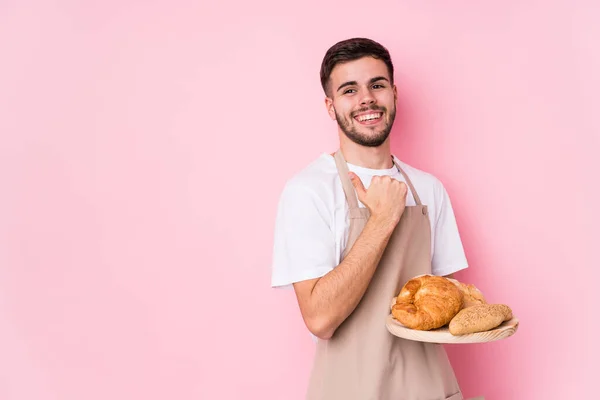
479 318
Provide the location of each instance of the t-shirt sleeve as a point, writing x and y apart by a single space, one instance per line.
448 254
304 244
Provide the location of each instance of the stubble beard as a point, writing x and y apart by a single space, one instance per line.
376 139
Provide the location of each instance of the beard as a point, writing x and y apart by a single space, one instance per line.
351 128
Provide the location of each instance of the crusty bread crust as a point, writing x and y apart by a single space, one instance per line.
427 302
479 318
472 295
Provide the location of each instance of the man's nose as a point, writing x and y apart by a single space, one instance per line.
367 98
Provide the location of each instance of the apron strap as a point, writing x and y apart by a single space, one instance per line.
349 190
409 183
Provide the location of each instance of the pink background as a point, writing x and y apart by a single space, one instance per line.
145 144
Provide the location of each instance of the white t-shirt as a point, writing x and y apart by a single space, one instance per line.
311 228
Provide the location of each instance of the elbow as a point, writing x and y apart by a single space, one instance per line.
321 328
324 335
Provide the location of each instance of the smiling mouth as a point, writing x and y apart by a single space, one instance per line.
369 117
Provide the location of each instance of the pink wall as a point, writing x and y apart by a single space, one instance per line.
138 195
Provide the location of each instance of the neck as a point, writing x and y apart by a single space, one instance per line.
367 157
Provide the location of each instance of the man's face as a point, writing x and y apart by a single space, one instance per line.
362 100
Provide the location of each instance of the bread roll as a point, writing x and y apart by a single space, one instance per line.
479 318
472 295
427 302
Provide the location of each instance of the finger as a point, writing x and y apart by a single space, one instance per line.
403 188
358 185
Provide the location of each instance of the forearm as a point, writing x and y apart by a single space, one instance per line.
336 295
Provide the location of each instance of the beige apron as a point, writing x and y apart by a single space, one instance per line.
363 361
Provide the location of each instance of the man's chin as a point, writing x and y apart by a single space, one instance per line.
367 141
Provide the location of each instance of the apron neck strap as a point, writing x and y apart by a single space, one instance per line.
349 191
409 183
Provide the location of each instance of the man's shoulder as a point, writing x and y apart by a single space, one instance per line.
316 177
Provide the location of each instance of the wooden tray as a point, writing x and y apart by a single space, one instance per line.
443 335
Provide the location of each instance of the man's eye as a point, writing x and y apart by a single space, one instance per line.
349 91
378 86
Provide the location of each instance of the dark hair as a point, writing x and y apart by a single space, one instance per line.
350 50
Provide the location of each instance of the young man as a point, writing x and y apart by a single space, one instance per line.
352 228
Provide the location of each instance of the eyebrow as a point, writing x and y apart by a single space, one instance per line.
351 83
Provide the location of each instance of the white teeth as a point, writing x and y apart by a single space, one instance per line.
368 117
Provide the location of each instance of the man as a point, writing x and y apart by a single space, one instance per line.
352 227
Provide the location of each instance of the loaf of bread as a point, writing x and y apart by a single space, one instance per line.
479 318
427 302
472 295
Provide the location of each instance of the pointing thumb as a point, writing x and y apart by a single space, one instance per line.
358 185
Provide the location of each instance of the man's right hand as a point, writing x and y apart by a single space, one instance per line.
385 198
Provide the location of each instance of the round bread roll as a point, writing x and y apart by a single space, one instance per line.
427 302
479 318
472 295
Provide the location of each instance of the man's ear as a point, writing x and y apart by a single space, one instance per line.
330 108
395 94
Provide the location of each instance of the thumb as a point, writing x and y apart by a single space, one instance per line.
358 185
